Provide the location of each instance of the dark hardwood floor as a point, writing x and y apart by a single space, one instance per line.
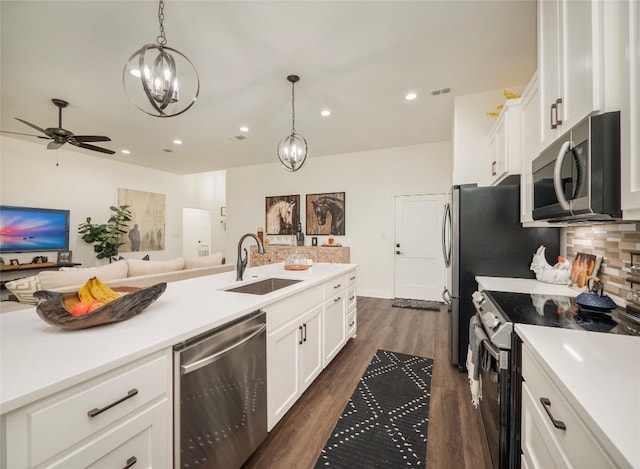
455 437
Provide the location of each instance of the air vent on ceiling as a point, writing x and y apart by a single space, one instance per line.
238 138
440 91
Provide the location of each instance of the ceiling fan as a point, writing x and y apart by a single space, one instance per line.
60 136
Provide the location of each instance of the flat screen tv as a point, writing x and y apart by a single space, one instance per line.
25 229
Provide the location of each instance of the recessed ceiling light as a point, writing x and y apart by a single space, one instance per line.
410 96
126 152
325 113
244 128
177 141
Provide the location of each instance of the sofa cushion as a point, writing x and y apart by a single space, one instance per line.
204 261
139 267
68 276
23 289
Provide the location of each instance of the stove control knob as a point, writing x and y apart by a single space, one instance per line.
491 320
477 298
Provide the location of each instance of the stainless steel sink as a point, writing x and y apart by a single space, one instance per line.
262 287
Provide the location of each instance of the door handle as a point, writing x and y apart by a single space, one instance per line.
300 330
96 411
305 332
558 102
557 175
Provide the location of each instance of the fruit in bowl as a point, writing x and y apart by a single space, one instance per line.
95 304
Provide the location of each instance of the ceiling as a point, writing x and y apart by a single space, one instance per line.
356 58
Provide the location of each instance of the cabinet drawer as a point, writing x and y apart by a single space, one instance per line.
352 323
287 310
140 441
351 278
335 285
577 445
119 393
351 298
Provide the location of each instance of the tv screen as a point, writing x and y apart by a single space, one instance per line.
24 229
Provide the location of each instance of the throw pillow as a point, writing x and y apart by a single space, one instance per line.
139 267
72 276
23 289
204 261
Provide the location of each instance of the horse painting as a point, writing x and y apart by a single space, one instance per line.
280 218
325 206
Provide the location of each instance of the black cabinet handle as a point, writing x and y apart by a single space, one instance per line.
337 299
546 403
337 286
96 411
130 462
493 168
352 323
354 277
305 332
300 329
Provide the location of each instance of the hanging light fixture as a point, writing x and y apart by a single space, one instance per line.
151 81
292 150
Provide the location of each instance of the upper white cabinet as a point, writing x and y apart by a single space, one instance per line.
505 143
569 63
530 145
630 128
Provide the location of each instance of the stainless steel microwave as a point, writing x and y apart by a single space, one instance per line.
578 177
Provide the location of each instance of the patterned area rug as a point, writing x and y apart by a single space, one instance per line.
416 304
384 424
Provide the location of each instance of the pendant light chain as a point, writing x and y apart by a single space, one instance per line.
293 108
162 39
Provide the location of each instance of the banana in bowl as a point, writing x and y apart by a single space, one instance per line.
104 305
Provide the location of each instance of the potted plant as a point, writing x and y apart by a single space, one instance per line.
105 237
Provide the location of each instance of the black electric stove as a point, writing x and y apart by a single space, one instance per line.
500 310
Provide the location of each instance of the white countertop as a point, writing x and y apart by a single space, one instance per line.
37 359
600 375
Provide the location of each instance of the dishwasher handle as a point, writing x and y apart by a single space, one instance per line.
186 369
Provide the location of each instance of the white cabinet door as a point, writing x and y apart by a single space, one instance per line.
631 131
311 348
569 61
283 382
334 326
505 142
530 146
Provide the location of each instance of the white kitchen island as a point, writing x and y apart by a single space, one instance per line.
45 369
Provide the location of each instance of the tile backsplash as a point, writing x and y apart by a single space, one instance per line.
613 242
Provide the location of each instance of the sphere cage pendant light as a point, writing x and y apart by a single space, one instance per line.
150 77
292 150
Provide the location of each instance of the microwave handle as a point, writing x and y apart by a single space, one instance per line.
557 175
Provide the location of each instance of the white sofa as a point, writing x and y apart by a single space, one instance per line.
125 272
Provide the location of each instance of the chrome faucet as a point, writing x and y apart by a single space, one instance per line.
241 263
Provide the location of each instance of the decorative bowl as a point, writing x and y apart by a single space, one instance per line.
56 307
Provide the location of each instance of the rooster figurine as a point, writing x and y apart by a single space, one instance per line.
558 274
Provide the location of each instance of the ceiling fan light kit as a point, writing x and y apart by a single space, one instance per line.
160 80
292 150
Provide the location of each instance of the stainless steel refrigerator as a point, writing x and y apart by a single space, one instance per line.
487 239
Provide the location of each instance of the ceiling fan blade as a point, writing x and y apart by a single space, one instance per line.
92 147
35 127
91 138
20 133
54 145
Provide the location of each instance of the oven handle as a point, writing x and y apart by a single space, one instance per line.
493 351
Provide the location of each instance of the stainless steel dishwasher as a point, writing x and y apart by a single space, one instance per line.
220 398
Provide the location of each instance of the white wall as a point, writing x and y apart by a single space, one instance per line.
88 185
370 180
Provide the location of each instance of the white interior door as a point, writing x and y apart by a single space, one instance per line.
420 272
196 232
